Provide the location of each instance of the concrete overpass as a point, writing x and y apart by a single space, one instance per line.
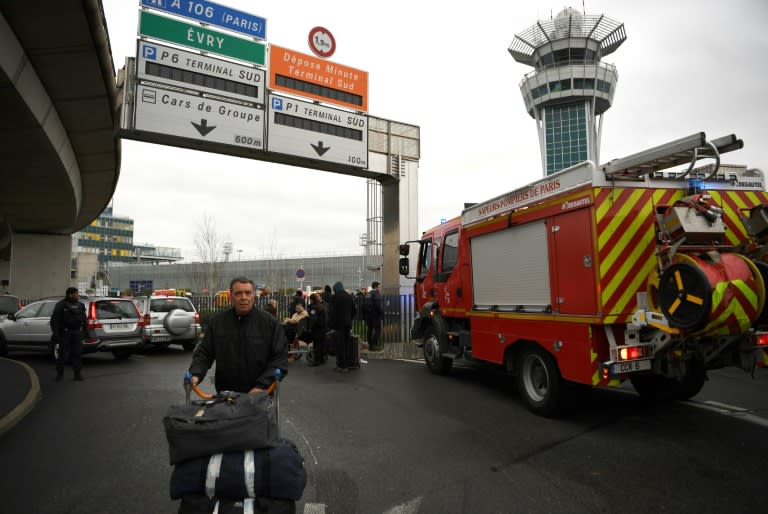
59 154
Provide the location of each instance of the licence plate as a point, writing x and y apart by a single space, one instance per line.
161 339
120 325
630 366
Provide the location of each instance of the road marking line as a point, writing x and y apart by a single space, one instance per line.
409 507
725 406
305 440
314 508
730 410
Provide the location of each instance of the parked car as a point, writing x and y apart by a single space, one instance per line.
113 325
169 320
9 304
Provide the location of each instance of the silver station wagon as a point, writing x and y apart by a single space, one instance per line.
113 325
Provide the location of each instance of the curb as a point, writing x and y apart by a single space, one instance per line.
393 351
33 396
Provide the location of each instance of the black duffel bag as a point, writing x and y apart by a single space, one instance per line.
230 422
276 472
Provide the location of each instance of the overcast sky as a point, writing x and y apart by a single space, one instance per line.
686 66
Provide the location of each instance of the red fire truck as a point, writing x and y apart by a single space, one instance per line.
599 274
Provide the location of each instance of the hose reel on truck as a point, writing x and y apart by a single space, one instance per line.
714 293
702 289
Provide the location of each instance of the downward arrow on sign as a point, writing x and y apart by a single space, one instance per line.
203 127
319 148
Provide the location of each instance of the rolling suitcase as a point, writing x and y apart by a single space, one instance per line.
330 342
354 351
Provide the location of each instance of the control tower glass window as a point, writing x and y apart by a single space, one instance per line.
566 135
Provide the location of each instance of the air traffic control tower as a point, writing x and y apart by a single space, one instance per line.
569 87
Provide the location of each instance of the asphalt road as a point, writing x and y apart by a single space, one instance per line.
392 438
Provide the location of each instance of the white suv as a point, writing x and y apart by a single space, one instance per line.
169 320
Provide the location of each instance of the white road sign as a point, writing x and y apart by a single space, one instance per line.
168 65
309 130
195 117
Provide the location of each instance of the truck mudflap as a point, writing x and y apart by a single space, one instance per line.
417 331
423 320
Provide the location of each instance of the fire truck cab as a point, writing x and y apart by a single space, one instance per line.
599 274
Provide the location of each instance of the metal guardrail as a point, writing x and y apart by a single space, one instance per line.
399 312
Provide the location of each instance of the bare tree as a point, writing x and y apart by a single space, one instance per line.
271 253
209 245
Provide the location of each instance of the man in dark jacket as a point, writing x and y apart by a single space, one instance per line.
343 311
67 323
374 313
247 344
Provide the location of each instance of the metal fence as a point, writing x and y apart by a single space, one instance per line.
399 312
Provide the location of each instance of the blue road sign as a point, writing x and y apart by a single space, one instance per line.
213 14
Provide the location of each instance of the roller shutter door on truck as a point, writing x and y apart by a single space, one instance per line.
510 268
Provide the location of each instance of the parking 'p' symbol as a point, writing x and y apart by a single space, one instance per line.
277 104
149 52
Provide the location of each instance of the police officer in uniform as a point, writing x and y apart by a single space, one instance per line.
67 324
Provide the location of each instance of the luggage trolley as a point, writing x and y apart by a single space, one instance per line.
212 504
298 338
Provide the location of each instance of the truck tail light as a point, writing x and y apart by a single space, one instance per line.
93 322
761 340
197 318
628 353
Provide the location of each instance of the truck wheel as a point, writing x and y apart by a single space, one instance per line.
651 387
539 381
690 385
436 363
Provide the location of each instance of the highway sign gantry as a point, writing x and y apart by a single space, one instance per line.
213 14
195 117
323 133
301 74
179 68
180 33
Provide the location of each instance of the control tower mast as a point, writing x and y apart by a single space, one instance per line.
569 86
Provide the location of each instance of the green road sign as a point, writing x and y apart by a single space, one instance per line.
160 27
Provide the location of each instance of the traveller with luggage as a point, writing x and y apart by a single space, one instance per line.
235 431
318 325
343 311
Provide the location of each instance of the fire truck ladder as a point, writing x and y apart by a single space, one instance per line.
686 150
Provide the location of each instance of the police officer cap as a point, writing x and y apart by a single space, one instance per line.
71 290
